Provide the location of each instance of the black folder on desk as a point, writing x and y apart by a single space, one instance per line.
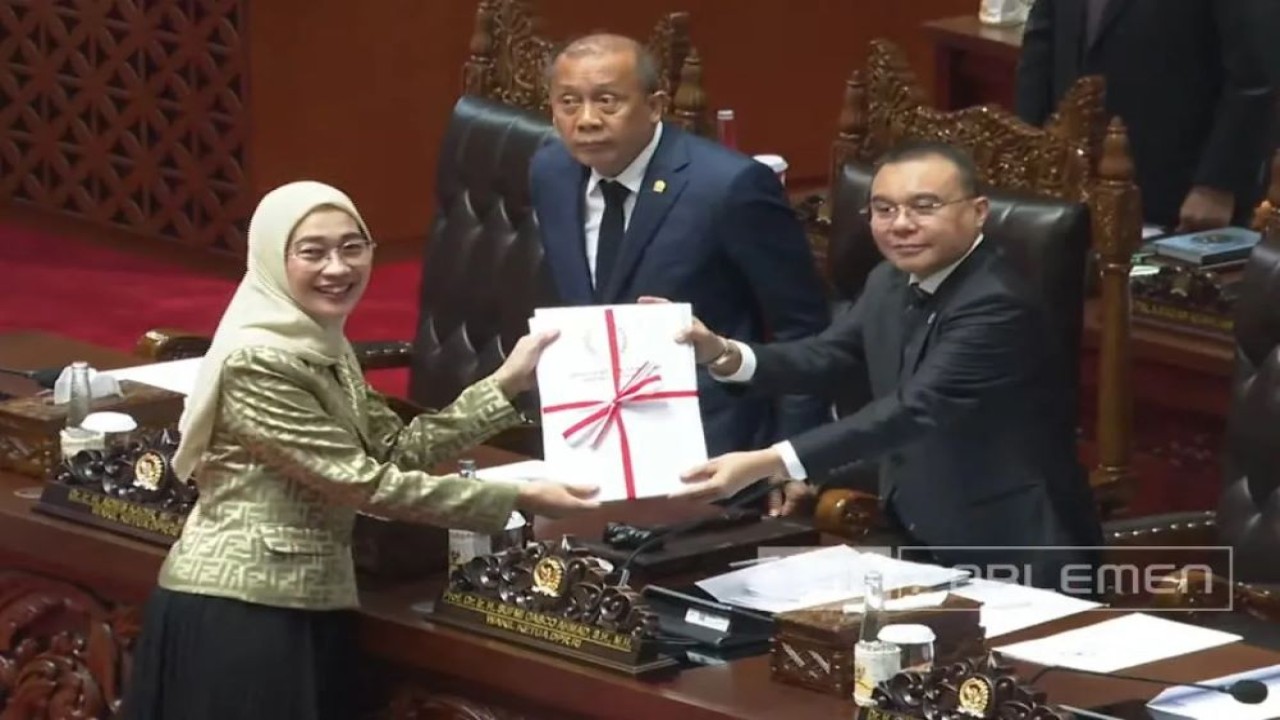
717 632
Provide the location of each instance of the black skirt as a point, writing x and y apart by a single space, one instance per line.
210 658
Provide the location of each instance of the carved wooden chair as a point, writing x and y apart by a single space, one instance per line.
509 56
1247 518
1071 183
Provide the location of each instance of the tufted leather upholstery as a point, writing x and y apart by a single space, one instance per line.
1047 239
483 272
1248 516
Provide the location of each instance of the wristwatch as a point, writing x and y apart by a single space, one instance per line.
721 360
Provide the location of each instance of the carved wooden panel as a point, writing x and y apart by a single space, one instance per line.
885 105
63 652
509 55
127 113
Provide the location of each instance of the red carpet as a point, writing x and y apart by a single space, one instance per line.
111 297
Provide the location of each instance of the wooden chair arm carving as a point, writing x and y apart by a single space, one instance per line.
850 514
165 344
1193 590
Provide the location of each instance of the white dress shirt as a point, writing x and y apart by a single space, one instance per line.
747 369
632 178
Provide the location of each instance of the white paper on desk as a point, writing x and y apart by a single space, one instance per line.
663 435
175 375
820 576
513 472
1118 643
1189 702
1009 607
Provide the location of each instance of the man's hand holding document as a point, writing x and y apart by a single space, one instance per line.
619 398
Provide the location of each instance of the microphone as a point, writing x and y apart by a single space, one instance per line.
1249 692
746 497
44 377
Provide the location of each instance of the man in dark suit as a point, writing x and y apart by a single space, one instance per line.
1189 81
969 417
630 206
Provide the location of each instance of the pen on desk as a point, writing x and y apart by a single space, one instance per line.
753 561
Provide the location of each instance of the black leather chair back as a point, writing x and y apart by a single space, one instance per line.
1047 239
483 271
1249 511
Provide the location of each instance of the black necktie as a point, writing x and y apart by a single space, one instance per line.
1093 12
912 315
612 227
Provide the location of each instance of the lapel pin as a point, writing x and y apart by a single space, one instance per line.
659 185
931 317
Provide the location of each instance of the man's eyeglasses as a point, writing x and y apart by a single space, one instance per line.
355 253
915 208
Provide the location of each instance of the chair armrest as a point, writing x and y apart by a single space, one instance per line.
1182 529
164 344
383 354
850 514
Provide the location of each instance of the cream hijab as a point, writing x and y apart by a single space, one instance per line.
262 312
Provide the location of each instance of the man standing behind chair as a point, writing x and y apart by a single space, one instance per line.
1188 80
969 419
629 206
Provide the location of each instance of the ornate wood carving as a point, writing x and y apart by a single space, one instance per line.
63 652
128 114
509 55
1116 215
970 689
884 105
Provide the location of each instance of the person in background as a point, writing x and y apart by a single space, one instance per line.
628 206
1191 83
286 442
969 420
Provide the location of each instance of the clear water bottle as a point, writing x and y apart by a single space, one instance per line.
464 545
79 395
874 661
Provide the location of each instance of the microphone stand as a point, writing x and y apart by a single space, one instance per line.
1248 692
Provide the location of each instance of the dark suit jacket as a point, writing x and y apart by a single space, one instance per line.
1187 78
721 236
972 429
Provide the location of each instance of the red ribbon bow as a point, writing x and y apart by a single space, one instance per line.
604 414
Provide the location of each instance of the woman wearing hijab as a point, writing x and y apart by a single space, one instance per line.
253 616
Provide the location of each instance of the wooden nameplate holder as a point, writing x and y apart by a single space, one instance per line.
813 647
558 599
981 689
130 490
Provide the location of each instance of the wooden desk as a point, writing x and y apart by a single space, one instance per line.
58 577
975 64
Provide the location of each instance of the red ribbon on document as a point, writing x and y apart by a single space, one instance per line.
604 414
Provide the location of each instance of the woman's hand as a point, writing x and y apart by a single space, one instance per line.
553 499
517 374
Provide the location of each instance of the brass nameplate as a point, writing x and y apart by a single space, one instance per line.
539 626
91 507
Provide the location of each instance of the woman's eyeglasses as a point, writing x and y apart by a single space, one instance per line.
355 253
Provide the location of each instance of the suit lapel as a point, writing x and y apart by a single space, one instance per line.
922 332
664 180
563 235
1112 11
